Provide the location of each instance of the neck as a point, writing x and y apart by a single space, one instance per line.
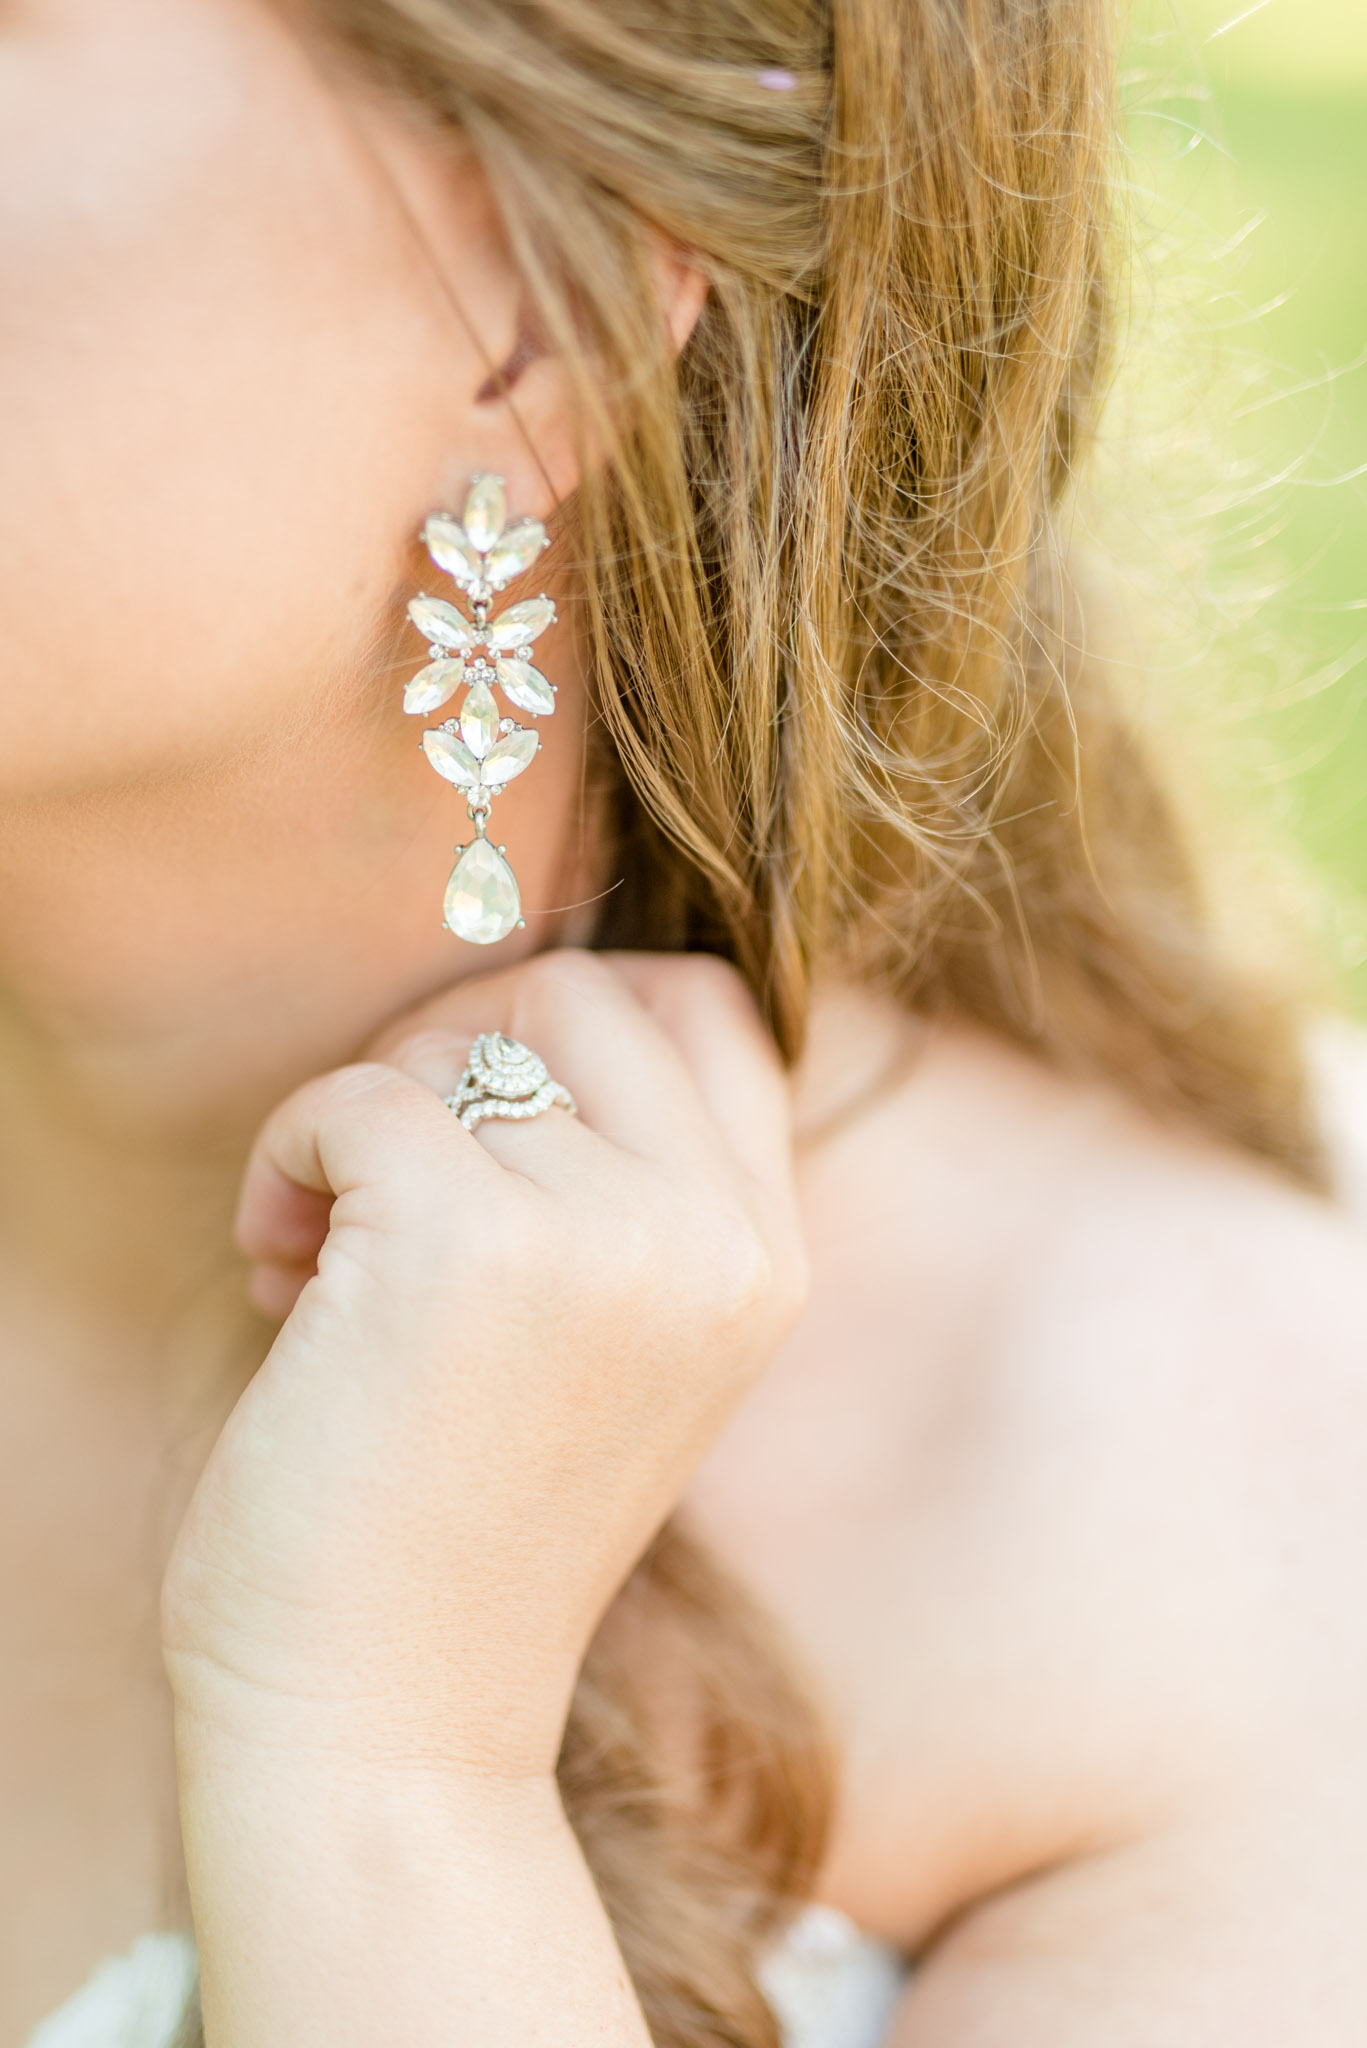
174 961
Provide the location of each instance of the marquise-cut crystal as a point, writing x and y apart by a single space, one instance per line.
479 720
442 625
508 758
482 901
516 548
485 511
451 757
520 623
526 687
449 547
432 685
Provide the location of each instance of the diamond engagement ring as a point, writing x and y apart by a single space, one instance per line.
505 1078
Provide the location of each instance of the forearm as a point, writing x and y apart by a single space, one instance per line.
349 1908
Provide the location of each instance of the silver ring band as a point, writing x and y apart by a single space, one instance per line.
504 1078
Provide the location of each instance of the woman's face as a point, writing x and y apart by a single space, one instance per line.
227 384
245 312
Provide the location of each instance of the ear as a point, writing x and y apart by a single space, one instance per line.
509 398
524 411
681 289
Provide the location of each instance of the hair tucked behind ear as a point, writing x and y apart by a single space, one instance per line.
844 714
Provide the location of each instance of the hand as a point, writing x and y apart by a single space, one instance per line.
514 1350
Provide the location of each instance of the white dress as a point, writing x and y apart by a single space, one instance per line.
829 1985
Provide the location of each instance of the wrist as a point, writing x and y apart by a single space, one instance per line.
322 1800
330 1831
339 1902
460 1725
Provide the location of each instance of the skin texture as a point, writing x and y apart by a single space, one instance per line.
431 1422
1057 1482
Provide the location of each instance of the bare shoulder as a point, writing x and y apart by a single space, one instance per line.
1062 1484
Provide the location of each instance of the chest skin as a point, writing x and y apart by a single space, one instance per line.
981 1489
989 1484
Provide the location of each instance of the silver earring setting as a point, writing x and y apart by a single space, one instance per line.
477 750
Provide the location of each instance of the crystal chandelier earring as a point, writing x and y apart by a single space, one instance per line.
477 750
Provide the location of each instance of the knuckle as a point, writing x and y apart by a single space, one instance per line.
568 999
699 982
636 1250
549 987
564 978
739 1265
718 977
792 1281
707 979
418 1046
353 1083
387 1130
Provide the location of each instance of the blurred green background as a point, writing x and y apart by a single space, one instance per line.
1248 127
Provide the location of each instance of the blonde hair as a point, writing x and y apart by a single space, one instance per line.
846 715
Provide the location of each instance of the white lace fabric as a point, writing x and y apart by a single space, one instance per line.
132 2001
829 1985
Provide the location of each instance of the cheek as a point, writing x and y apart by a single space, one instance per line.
222 363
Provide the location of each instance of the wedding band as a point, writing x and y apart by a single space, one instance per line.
504 1078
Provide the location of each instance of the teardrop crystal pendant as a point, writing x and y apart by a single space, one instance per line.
482 900
478 752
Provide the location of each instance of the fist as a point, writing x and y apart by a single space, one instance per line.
502 1355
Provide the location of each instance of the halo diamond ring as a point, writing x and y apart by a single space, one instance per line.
504 1078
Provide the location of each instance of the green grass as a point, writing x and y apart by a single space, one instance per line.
1273 160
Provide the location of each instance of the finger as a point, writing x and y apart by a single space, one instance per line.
286 1223
365 1131
629 1081
274 1290
707 1012
551 1149
434 1053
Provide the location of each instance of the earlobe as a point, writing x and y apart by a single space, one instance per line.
520 425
